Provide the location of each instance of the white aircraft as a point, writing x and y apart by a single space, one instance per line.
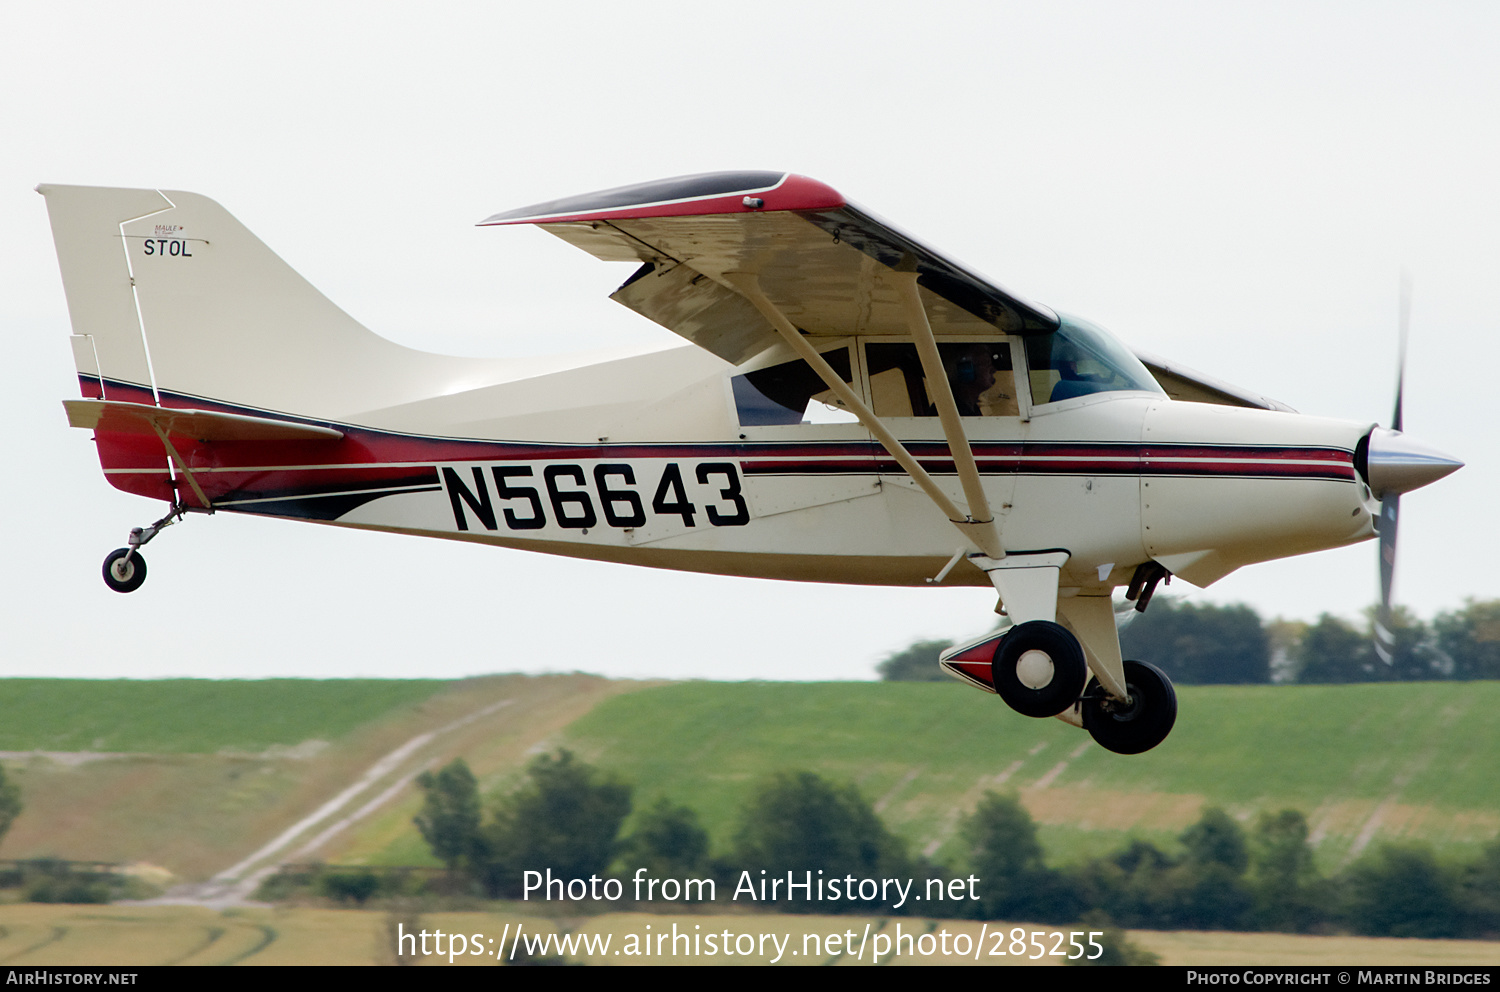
852 406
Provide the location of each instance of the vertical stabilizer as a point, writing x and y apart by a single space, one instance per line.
170 292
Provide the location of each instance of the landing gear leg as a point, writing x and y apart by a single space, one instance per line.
125 568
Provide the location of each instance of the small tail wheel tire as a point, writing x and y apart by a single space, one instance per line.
1138 724
121 575
1039 668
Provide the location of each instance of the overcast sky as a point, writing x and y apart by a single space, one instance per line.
1236 186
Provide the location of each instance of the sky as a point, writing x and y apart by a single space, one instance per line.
1235 186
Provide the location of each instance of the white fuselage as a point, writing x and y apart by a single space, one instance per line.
1114 479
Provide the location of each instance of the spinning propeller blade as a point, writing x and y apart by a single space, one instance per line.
1385 638
1392 464
1390 505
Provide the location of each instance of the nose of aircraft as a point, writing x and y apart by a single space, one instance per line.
1395 463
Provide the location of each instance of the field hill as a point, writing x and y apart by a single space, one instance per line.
217 779
1364 762
200 777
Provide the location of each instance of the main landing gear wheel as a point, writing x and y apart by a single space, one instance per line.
1039 669
123 571
1139 724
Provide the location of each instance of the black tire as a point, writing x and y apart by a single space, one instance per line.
1139 725
1064 683
127 578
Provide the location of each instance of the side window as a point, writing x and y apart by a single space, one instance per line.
781 394
979 373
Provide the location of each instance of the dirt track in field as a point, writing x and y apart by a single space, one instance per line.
198 815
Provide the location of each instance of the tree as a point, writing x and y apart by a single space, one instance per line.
1005 854
1470 639
1333 651
669 842
1289 895
10 803
350 886
1128 885
1141 886
1480 891
1207 890
1216 839
449 820
798 821
1200 644
1414 656
1401 891
915 663
566 818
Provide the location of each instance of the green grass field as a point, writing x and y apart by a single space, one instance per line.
192 716
1416 760
1365 763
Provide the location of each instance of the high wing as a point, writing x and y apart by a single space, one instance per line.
820 259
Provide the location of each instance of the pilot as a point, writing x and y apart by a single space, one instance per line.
1073 381
971 373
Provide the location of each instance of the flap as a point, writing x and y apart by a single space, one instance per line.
704 311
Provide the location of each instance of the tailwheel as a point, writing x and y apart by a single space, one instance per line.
1039 669
124 570
1139 723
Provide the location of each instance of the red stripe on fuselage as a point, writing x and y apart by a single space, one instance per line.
367 456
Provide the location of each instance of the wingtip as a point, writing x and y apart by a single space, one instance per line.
682 196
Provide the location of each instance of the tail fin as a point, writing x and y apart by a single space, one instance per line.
174 301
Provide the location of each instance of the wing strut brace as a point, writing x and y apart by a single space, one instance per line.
182 468
978 525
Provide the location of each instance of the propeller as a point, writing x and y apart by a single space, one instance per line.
1392 464
1390 503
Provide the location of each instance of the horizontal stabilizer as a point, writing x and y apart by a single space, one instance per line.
202 425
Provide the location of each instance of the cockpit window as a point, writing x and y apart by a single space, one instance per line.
780 394
1080 358
979 373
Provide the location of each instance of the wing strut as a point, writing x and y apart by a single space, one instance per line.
982 533
947 407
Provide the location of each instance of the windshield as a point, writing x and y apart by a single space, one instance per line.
1080 358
